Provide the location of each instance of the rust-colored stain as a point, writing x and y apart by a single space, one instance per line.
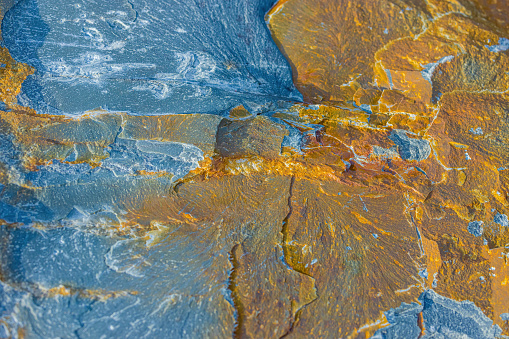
420 323
499 271
12 75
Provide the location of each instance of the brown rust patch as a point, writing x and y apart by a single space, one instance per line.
499 271
331 44
12 75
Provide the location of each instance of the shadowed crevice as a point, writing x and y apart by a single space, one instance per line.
238 329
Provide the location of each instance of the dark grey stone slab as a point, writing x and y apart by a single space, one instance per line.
161 56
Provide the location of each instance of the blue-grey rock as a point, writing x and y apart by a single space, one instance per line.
385 152
75 214
141 56
476 131
60 189
475 228
168 298
501 219
9 298
21 205
503 45
171 282
446 318
443 318
410 148
403 322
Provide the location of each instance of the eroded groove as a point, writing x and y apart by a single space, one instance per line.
284 232
238 330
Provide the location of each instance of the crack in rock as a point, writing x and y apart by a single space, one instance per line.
284 232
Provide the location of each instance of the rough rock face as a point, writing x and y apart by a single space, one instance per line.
244 138
443 318
161 175
146 56
409 148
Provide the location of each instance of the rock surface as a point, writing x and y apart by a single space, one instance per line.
146 56
161 175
